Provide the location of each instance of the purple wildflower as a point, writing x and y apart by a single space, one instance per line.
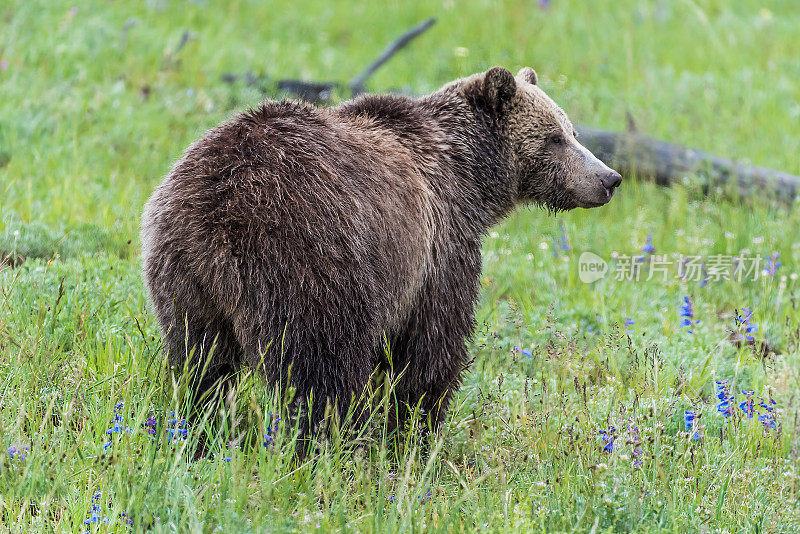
271 430
773 262
635 442
564 241
20 454
150 425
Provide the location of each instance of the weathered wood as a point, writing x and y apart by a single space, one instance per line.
667 163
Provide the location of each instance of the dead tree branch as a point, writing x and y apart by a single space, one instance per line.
357 83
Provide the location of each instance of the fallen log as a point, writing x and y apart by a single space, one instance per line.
667 163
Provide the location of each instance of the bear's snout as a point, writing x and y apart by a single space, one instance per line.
610 180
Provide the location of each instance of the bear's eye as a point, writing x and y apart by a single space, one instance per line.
574 134
557 139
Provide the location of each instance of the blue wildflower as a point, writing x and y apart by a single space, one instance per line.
726 399
768 417
177 428
118 426
748 405
629 322
768 420
767 406
608 438
687 313
744 326
564 241
648 247
271 430
704 281
96 517
688 419
231 446
773 263
526 352
19 454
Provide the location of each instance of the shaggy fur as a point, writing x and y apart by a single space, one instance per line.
294 239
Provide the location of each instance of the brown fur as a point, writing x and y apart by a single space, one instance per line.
298 237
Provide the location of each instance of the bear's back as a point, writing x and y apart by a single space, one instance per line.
328 206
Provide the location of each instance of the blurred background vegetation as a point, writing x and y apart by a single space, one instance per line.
99 98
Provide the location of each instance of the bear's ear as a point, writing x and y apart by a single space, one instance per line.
528 74
499 87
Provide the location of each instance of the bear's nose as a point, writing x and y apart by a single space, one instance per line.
610 179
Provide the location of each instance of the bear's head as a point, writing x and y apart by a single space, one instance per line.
550 166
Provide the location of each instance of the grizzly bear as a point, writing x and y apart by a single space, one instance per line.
301 241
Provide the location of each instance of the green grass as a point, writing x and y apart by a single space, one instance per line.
91 116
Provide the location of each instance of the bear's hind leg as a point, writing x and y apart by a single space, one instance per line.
198 340
207 353
328 368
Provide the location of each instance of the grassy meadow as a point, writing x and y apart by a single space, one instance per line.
590 407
